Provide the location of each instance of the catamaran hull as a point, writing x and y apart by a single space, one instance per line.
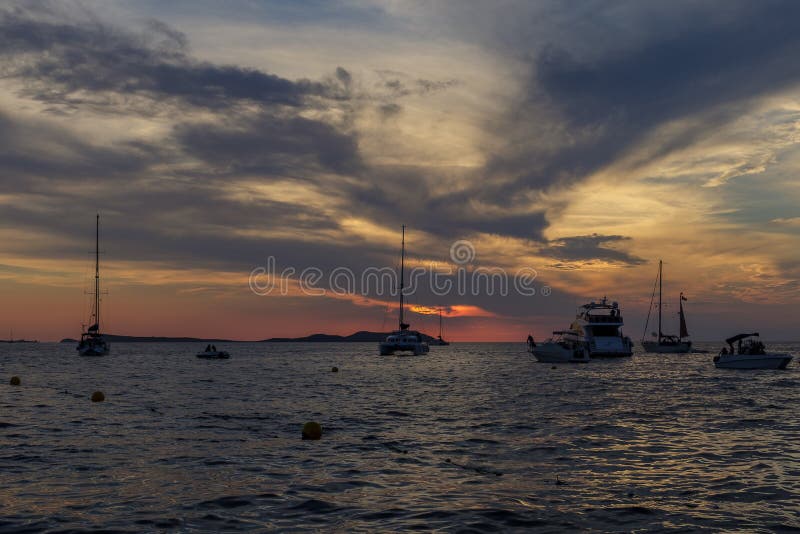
752 361
389 349
672 348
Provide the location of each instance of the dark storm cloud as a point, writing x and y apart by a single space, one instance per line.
269 143
79 62
588 248
602 105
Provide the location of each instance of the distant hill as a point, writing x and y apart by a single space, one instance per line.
358 337
154 339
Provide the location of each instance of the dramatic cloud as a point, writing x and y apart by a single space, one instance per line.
584 141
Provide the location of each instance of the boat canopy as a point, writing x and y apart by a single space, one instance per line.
737 337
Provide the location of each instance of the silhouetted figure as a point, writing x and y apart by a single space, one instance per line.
531 342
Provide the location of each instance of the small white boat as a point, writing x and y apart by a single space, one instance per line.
214 355
750 353
92 341
403 340
564 347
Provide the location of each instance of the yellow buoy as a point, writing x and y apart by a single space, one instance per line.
15 381
98 396
312 430
334 369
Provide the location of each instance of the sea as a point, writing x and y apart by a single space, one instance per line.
473 437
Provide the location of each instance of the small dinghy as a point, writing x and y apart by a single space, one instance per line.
750 353
211 353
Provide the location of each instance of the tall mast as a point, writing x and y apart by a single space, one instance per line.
660 280
402 274
440 322
97 273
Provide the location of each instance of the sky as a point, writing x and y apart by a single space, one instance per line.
566 145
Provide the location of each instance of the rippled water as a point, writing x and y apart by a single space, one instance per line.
471 437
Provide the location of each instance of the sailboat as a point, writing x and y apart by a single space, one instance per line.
92 341
666 343
403 339
439 341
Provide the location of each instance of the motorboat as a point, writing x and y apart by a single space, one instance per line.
403 339
749 353
92 342
563 347
666 343
213 354
600 329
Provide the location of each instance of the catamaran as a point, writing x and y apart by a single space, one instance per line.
403 340
666 343
92 341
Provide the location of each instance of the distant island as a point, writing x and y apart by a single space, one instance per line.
359 337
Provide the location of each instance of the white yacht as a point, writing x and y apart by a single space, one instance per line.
600 326
565 346
92 341
666 343
403 340
749 353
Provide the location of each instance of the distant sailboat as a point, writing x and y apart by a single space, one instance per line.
92 342
439 341
403 340
666 343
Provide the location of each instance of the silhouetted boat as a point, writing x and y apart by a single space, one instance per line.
565 346
666 343
92 342
599 325
214 354
750 353
439 341
403 340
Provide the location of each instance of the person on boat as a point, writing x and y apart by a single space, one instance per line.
531 342
213 348
208 348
